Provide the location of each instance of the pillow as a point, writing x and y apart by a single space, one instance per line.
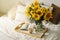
56 14
20 16
12 13
20 8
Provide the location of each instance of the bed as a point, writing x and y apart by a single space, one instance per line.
8 24
7 31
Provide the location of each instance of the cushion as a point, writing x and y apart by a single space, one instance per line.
56 14
12 13
20 16
14 10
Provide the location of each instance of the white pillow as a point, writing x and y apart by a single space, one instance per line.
12 13
18 8
20 16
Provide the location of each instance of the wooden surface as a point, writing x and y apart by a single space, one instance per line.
17 29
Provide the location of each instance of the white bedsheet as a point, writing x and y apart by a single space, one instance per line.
7 31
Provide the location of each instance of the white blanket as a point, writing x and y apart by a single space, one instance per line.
7 31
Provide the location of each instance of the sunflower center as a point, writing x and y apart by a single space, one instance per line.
36 16
38 12
48 15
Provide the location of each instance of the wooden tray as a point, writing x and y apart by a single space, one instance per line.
40 35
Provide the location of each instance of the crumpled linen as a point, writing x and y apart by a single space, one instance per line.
7 27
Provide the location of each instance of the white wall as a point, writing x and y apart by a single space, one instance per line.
0 5
5 5
48 2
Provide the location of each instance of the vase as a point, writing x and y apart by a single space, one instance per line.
40 26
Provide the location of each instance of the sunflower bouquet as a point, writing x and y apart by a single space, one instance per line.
38 13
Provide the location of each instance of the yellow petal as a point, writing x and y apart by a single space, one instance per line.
36 2
47 16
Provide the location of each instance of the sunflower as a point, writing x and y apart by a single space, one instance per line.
36 2
33 8
43 10
28 14
39 12
27 9
36 12
48 15
37 7
36 17
47 10
32 11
